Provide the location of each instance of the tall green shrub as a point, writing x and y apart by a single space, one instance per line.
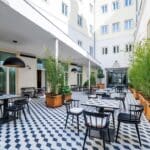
55 75
92 80
139 72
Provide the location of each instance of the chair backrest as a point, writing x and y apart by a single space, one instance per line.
119 89
96 120
71 104
92 96
123 94
105 95
20 101
136 112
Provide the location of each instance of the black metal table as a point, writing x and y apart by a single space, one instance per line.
101 104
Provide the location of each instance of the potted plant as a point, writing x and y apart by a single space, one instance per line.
92 81
55 80
139 74
66 93
100 76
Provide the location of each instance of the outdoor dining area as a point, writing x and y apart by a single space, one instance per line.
99 118
103 119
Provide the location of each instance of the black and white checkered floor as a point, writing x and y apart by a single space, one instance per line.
44 130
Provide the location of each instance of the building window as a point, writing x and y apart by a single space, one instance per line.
129 47
64 9
91 7
116 49
91 51
80 20
91 28
128 3
128 24
104 50
104 9
80 43
116 27
104 29
115 5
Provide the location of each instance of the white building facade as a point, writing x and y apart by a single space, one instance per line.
115 26
97 31
143 21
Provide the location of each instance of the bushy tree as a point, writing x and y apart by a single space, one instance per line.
139 71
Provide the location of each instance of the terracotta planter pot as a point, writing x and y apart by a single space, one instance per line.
100 85
131 89
53 101
143 102
148 110
146 103
135 94
66 97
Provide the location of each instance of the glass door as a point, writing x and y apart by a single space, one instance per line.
79 79
3 82
8 76
12 80
117 77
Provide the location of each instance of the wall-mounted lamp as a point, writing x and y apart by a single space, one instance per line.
14 62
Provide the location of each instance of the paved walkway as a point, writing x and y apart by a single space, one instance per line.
44 130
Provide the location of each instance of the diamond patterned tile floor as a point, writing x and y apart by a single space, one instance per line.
44 130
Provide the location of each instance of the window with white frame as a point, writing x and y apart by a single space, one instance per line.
116 27
128 47
128 24
91 50
91 7
115 49
104 50
64 9
91 28
80 43
104 9
104 29
80 20
115 5
128 2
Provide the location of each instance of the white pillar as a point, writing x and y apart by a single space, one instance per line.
89 73
56 50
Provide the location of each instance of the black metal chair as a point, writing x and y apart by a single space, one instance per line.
96 121
16 111
73 109
92 96
1 107
122 97
24 102
133 117
119 88
109 110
